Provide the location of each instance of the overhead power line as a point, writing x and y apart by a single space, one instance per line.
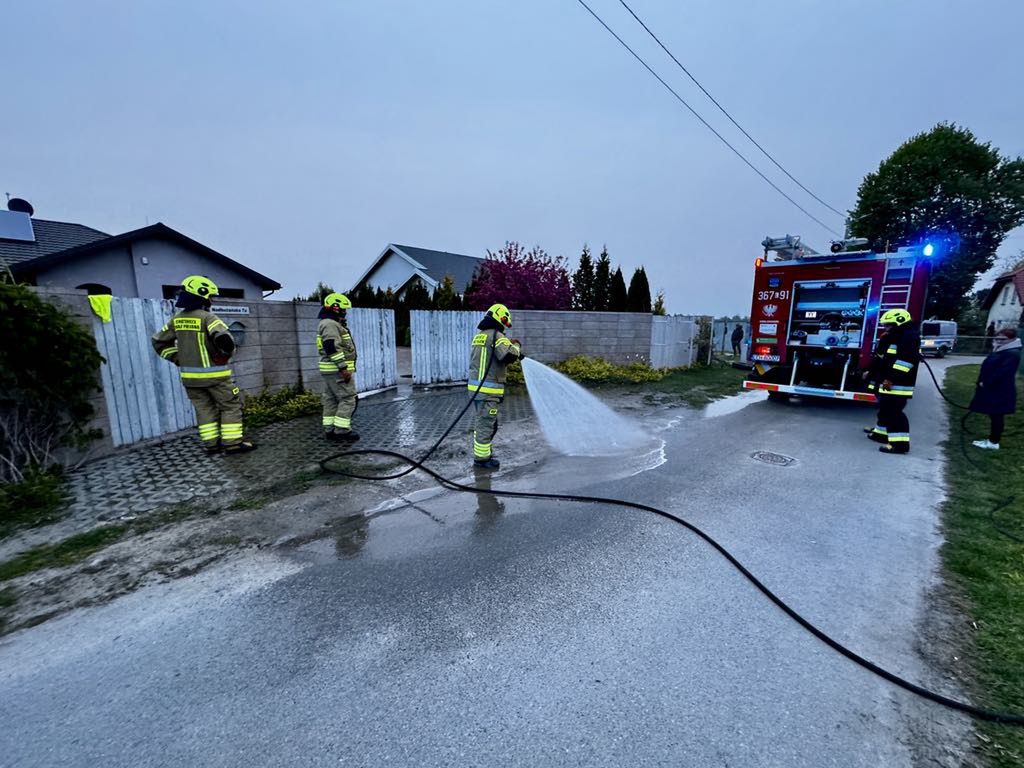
726 113
708 125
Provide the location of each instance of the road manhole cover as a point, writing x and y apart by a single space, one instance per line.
773 458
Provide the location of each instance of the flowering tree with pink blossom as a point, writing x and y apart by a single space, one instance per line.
520 279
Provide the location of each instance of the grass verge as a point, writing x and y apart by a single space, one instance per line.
702 384
68 552
986 564
37 500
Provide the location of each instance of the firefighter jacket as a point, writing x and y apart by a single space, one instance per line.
491 348
899 361
334 344
200 344
874 377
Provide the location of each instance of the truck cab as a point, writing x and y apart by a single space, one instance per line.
814 317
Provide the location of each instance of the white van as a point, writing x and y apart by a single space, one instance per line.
938 337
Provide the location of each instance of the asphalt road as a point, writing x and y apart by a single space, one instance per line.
471 632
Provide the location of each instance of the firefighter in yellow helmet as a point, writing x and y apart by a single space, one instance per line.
338 366
200 344
893 375
491 353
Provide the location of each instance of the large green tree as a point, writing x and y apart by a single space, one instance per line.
639 295
944 185
617 300
603 282
583 282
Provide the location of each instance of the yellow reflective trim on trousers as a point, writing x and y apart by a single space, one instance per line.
901 437
487 390
901 368
205 375
341 421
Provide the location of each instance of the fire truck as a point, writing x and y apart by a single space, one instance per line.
814 317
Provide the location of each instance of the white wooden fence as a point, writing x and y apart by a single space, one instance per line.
440 345
144 394
374 334
673 341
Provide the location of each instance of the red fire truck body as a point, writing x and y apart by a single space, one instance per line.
814 318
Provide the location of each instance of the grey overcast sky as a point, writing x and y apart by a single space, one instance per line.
301 138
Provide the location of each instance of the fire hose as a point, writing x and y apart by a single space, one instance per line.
980 713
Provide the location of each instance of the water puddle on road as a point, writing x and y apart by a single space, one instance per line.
728 405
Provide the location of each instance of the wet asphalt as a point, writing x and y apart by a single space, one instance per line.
472 631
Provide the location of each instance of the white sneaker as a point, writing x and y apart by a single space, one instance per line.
986 444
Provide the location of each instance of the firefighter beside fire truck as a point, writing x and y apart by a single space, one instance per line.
892 376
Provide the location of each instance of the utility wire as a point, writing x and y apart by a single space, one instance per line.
708 125
726 113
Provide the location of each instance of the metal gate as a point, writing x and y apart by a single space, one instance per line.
673 341
374 333
144 394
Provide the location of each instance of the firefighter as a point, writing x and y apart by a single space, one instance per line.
894 374
338 367
200 344
490 354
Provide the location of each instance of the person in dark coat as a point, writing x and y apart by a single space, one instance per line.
737 338
996 391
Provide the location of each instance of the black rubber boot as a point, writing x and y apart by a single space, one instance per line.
491 463
895 448
878 438
346 436
243 447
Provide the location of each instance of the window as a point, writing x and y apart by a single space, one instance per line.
95 289
1006 294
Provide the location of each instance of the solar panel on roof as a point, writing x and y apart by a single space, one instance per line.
15 225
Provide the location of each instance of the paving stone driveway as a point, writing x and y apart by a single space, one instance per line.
178 470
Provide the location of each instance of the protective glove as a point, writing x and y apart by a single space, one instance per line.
345 375
887 384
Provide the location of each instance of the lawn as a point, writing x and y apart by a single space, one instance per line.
984 556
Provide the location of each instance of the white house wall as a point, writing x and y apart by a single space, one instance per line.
1006 310
170 262
393 273
111 268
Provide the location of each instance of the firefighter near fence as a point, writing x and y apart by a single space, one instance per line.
200 344
337 352
490 354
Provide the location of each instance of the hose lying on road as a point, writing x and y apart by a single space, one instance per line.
969 709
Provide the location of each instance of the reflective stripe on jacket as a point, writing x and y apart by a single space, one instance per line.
490 381
335 346
189 341
900 362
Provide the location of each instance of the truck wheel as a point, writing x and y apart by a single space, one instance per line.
778 397
942 352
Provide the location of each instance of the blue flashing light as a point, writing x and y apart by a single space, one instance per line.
928 250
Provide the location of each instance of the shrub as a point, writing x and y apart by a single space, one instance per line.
282 405
36 500
595 370
49 369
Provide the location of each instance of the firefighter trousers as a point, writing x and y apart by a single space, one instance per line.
893 422
339 401
485 426
218 413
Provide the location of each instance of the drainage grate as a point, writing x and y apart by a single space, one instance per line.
773 458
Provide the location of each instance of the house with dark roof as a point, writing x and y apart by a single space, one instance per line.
399 266
1005 300
146 263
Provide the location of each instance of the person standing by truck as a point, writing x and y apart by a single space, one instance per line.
995 393
897 375
737 339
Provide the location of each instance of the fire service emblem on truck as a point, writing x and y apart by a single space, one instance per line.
769 310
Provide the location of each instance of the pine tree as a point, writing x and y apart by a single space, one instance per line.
659 304
602 282
583 283
445 295
318 295
638 298
617 298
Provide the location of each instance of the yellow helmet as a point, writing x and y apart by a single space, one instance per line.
200 286
895 317
339 302
500 313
